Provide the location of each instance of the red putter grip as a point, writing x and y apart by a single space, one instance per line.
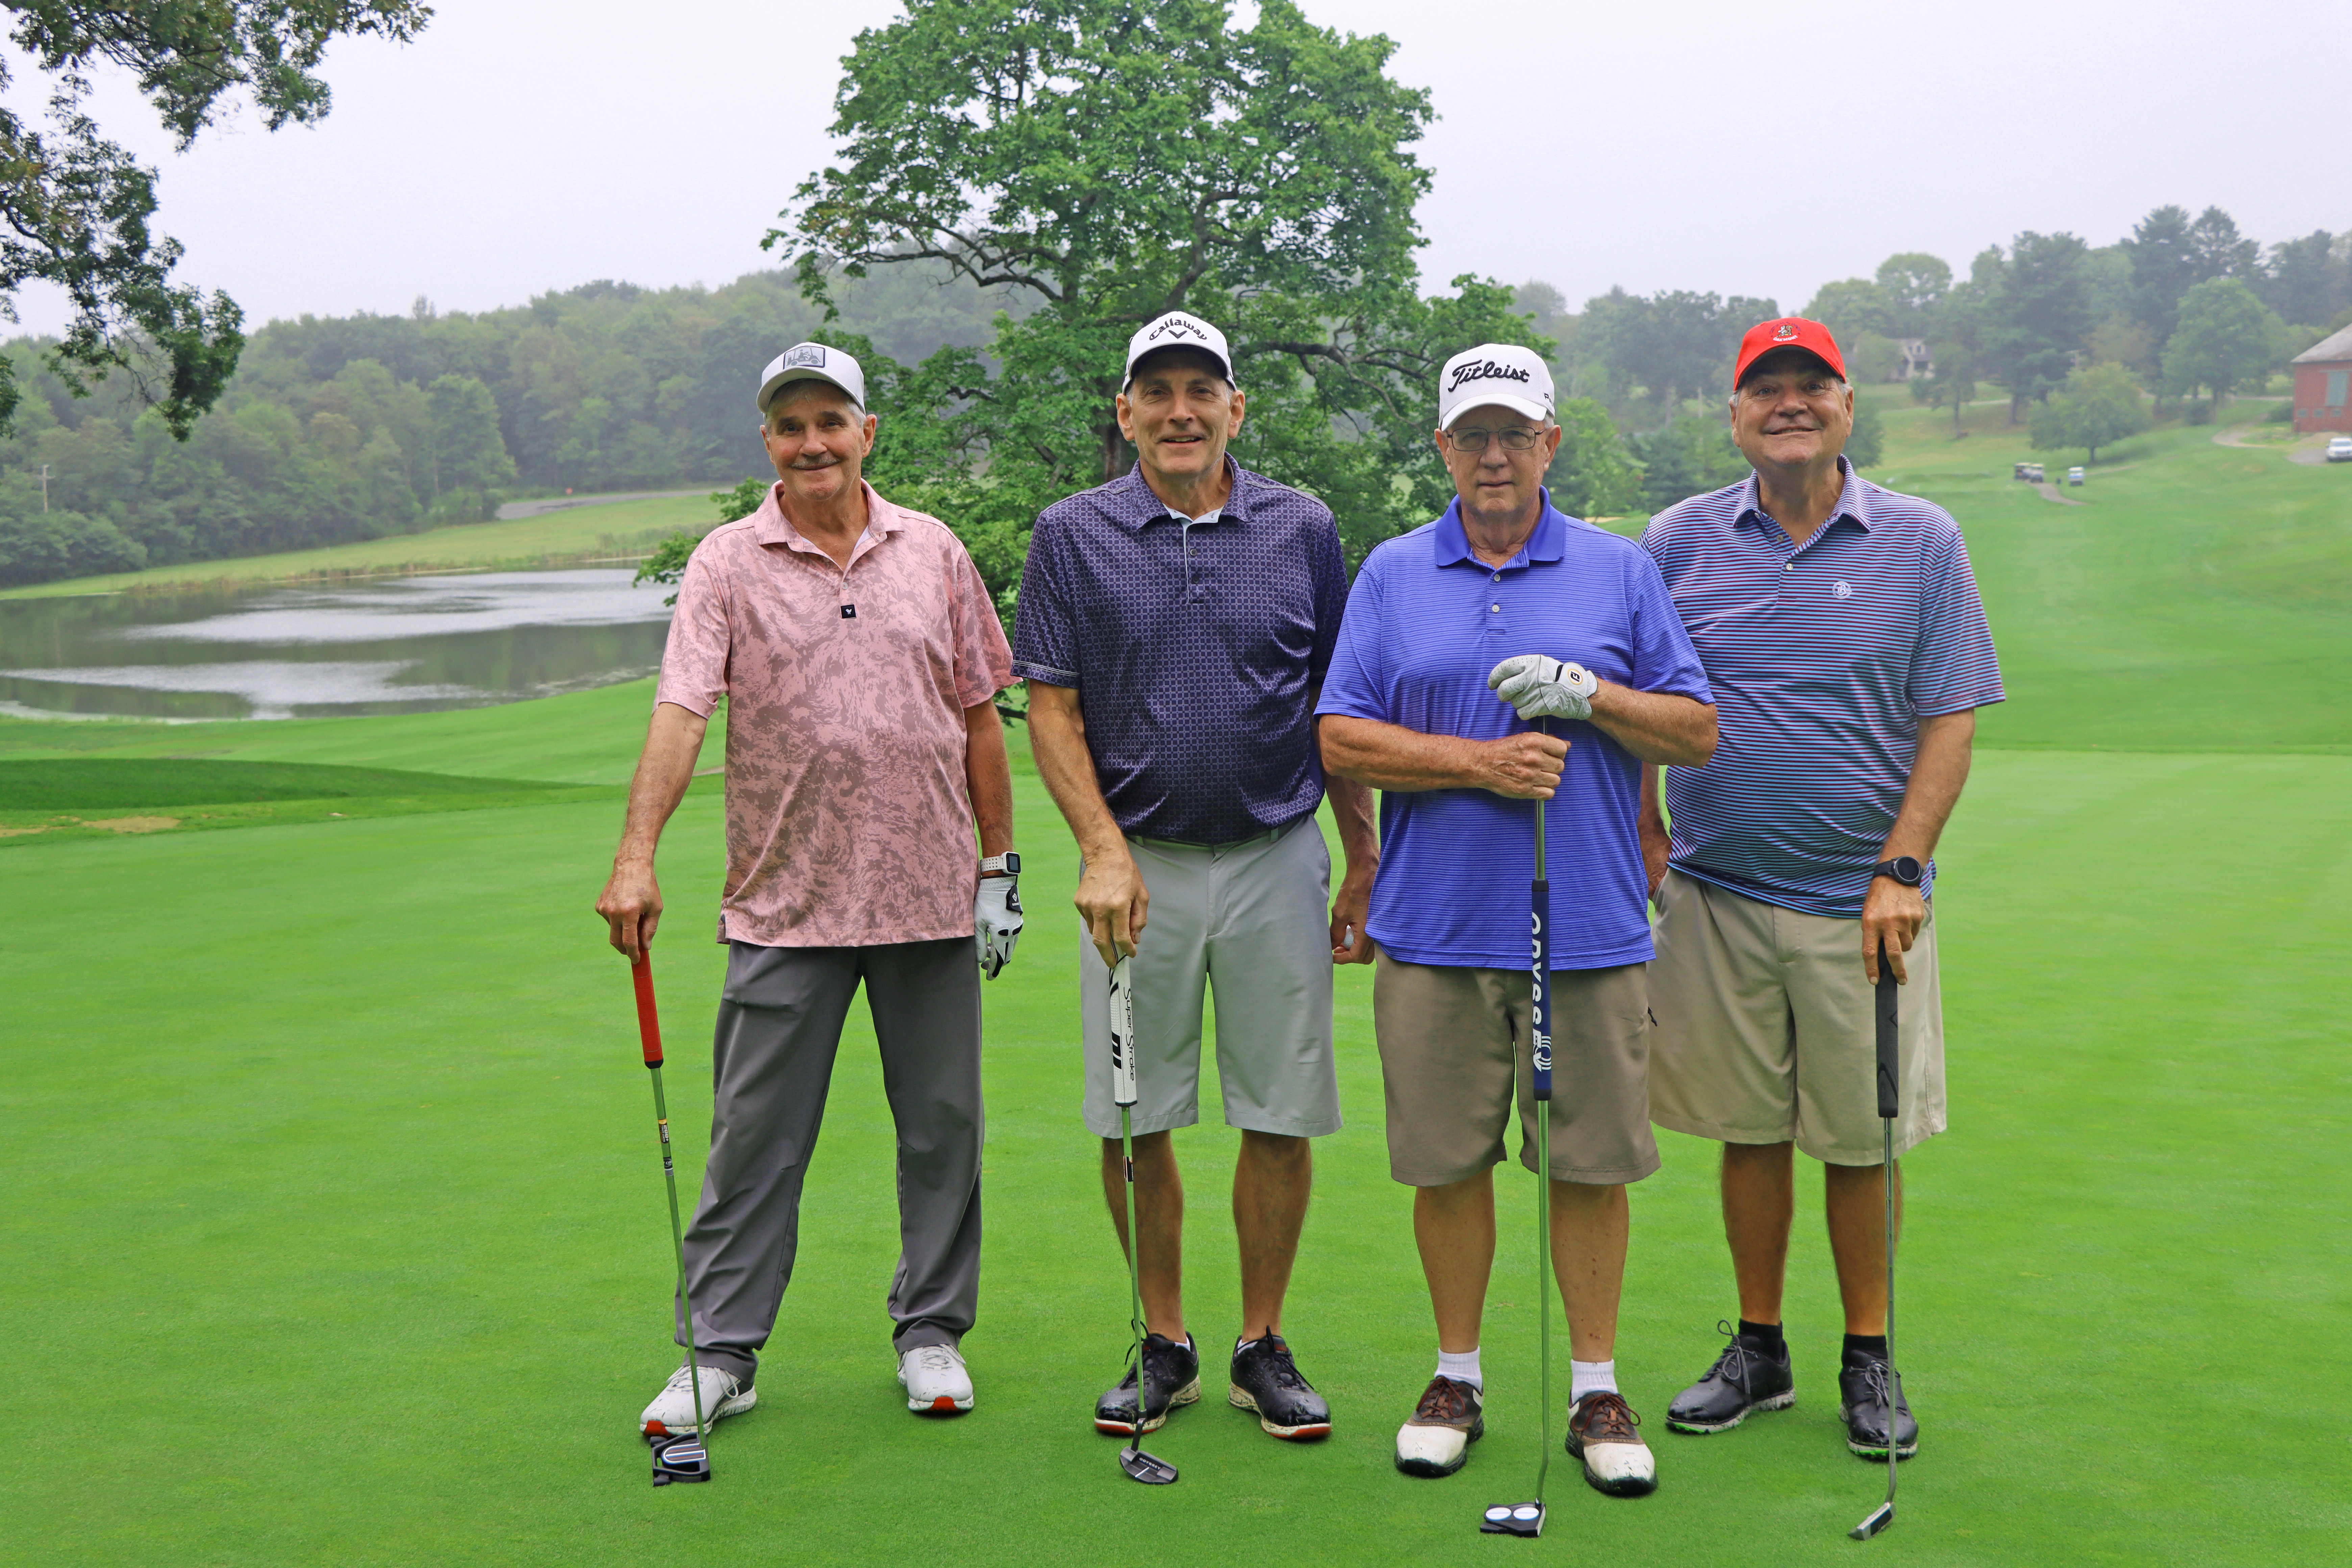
648 1021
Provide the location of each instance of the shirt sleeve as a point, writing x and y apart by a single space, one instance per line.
1663 659
983 661
1331 578
1045 634
694 664
1356 683
1953 667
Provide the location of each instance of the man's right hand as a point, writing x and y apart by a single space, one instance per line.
1112 899
632 905
1525 766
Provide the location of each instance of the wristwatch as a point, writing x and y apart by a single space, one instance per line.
1903 869
1008 865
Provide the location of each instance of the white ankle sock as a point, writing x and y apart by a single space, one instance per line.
1463 1368
1591 1377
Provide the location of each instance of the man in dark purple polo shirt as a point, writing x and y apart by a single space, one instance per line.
1175 629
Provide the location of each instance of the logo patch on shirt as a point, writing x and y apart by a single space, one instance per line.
1843 589
808 356
849 611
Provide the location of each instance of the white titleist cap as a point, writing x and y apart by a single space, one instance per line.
812 361
1501 373
1178 330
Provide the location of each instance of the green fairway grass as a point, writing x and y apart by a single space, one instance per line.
552 539
337 1236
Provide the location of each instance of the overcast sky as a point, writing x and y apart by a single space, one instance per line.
522 145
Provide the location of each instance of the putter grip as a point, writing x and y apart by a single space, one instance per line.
1889 1067
1539 925
1122 1032
648 1021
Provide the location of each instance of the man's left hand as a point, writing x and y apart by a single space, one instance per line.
1349 909
1893 912
1542 687
996 921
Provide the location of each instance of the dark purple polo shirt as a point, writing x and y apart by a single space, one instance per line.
1196 650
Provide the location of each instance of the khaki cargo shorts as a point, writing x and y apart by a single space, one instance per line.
1455 1049
1766 1030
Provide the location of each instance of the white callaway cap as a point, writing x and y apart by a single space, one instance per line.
812 361
1499 374
1177 330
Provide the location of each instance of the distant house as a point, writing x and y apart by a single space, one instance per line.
2323 386
1917 360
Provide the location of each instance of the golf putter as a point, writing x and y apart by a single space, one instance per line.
1138 1465
1889 1103
675 1457
1527 1519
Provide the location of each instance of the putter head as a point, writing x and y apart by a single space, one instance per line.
1880 1517
1512 1519
1142 1467
678 1458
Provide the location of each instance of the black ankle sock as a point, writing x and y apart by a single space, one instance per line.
1874 1344
1763 1336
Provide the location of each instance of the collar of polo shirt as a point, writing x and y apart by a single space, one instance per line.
1852 502
1547 543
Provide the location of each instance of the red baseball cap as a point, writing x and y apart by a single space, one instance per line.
1787 332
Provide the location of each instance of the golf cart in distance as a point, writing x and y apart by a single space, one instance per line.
2030 472
2075 475
2340 449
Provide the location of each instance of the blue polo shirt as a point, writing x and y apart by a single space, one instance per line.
1195 646
1425 622
1825 658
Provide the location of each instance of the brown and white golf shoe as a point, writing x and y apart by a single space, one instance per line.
1437 1440
1601 1431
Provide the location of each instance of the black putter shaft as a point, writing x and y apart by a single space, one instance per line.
1527 1519
1890 1080
681 1466
1138 1465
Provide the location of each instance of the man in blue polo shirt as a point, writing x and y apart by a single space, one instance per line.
1573 622
1174 627
1846 643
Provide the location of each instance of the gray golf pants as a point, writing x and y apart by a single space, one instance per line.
780 1018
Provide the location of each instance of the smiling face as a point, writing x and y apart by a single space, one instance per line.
1179 411
818 440
1497 485
1793 411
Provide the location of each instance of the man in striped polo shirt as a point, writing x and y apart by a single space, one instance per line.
1847 647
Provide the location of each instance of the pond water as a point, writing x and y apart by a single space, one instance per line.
398 645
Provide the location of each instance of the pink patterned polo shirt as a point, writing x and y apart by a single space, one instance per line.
848 814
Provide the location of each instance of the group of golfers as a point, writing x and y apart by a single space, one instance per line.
1792 662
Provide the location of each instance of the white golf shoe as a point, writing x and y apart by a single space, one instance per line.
1436 1441
936 1382
672 1410
1600 1432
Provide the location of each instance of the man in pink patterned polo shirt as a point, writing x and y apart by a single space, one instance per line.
859 658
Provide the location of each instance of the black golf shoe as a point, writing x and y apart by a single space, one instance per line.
1172 1375
1863 1381
1266 1380
1745 1378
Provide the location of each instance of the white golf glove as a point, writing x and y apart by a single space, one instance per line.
996 921
1542 687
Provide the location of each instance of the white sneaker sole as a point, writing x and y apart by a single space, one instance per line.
1188 1394
940 1404
1240 1399
734 1405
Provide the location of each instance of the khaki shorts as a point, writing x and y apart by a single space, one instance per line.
1766 1032
1455 1050
1253 922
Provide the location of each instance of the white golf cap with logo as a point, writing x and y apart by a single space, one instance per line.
812 361
1500 376
1179 330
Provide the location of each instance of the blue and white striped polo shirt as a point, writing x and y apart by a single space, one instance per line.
1823 660
1426 621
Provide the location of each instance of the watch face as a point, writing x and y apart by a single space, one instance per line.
1909 870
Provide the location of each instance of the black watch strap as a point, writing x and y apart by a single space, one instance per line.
1903 869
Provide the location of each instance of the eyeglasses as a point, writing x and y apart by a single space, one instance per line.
1517 438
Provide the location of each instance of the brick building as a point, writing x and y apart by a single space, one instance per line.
2323 386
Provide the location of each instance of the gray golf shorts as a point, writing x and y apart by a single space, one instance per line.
1767 1030
1251 922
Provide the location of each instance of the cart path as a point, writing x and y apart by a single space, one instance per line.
2310 451
2049 492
